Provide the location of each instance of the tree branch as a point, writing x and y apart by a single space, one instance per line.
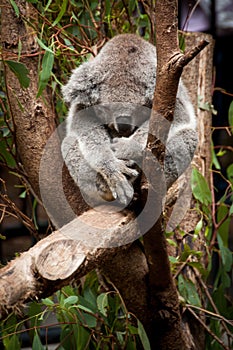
163 293
63 256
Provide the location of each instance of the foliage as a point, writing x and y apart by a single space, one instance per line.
88 316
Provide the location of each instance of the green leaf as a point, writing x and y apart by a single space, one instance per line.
102 303
90 297
5 155
226 280
86 305
107 8
84 308
132 5
71 300
45 73
35 313
188 291
90 320
187 251
15 7
46 48
47 302
226 255
132 329
230 116
19 49
172 260
143 336
200 188
171 242
198 228
230 173
198 266
47 6
82 337
61 13
37 345
231 210
14 343
223 215
214 158
21 72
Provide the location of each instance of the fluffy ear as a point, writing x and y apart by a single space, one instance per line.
83 86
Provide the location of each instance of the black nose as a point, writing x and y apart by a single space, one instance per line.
125 126
125 129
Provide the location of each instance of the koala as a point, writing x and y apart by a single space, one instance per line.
109 99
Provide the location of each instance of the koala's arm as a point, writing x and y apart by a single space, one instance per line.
181 142
182 138
94 146
131 148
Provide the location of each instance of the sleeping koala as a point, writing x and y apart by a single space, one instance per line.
107 126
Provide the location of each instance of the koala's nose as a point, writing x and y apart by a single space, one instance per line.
124 125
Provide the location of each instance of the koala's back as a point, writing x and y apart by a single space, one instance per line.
128 65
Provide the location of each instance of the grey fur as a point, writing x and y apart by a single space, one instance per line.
118 85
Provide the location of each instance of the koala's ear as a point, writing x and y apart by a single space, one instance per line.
83 86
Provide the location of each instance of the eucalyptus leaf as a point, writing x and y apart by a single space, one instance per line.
62 12
45 73
200 188
43 46
47 302
226 255
14 343
15 7
230 116
188 291
143 336
71 300
102 303
230 173
37 345
21 72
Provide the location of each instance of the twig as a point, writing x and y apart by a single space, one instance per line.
207 329
212 303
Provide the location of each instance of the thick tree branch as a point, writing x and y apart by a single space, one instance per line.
62 257
163 293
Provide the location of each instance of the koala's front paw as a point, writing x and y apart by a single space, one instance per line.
127 149
115 175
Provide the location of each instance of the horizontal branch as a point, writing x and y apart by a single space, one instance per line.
81 245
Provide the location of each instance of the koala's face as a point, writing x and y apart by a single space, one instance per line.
121 119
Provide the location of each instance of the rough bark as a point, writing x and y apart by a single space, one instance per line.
163 296
33 118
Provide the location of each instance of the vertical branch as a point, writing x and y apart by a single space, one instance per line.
164 302
33 118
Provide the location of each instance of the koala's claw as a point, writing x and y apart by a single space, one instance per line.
118 184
